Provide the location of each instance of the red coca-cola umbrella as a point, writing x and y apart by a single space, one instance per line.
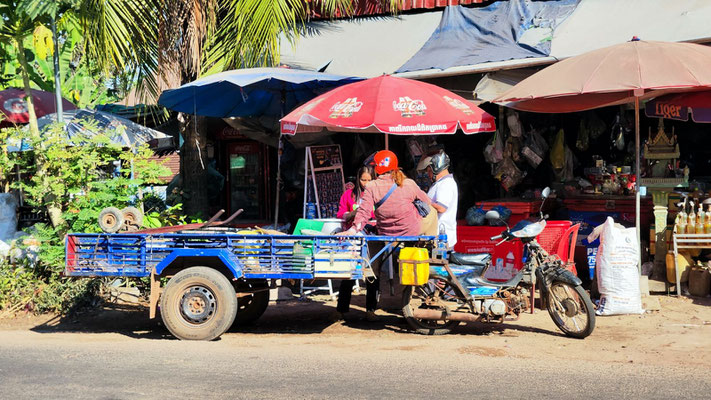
395 106
13 107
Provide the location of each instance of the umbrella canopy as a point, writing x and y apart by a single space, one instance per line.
13 107
390 105
250 92
121 131
619 74
678 106
613 75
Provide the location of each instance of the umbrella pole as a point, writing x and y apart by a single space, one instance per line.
278 184
387 142
638 186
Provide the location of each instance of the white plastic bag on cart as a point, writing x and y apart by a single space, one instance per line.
8 216
616 269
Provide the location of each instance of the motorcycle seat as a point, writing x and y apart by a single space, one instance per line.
479 259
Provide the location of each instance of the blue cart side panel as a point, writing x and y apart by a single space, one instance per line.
248 256
228 259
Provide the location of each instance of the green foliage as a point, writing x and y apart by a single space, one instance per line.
79 177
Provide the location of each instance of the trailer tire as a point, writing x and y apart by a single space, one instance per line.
132 218
198 303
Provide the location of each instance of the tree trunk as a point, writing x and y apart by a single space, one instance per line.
193 166
54 211
34 129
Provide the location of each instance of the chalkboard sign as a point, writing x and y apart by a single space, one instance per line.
323 180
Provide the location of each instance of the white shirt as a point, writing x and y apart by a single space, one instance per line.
445 193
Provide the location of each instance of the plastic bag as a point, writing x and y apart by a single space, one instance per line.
494 151
475 216
514 123
558 151
616 269
8 216
504 214
534 148
508 174
596 126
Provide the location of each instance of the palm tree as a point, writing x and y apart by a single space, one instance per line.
111 30
208 36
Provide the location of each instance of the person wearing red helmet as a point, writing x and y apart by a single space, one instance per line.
392 196
397 215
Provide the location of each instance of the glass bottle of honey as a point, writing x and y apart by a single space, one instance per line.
691 224
700 219
707 223
683 219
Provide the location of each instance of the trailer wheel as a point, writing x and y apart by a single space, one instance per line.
198 303
110 220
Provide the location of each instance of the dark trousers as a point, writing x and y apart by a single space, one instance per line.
372 287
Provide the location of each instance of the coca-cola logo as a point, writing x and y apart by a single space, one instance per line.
345 108
409 107
459 105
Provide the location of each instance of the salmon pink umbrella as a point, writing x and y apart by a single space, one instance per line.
678 106
623 73
390 105
13 107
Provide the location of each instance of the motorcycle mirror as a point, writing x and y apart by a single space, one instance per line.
546 192
707 201
492 215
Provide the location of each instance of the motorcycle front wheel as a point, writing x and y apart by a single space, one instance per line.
571 309
429 296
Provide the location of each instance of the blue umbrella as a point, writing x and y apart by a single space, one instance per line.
251 92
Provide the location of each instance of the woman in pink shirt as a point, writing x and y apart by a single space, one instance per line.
351 198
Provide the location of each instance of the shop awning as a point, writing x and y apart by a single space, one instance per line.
600 23
438 44
365 47
510 30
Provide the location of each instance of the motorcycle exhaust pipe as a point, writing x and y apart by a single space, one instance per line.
439 315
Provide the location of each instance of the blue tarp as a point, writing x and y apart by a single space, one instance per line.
505 30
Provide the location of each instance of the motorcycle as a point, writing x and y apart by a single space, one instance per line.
458 292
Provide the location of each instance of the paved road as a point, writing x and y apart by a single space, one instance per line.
302 365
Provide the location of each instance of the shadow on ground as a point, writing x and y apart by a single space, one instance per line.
290 317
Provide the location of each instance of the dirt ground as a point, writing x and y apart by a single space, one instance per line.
679 335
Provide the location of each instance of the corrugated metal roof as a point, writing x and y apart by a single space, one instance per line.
378 7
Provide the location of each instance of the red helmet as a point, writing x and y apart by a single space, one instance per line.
385 161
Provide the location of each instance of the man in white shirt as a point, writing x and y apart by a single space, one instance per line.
443 192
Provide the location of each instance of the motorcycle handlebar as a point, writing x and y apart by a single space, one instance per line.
497 237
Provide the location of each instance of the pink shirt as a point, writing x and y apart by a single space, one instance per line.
347 204
397 216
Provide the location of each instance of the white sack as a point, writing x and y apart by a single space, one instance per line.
616 269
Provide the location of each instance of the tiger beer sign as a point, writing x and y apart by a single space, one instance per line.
670 111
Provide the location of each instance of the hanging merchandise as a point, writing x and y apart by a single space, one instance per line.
494 151
583 136
514 123
558 151
508 173
618 135
534 148
596 126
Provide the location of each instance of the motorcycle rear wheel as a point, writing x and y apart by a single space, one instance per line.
414 297
571 309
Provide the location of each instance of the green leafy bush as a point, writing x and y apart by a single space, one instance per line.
78 177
